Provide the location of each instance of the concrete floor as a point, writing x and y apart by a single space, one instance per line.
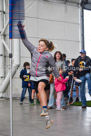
74 121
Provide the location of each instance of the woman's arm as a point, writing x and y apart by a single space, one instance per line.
28 44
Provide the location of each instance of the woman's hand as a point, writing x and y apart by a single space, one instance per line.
20 26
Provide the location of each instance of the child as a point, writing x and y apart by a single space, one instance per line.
71 70
60 87
41 59
26 84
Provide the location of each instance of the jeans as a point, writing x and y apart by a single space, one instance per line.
63 102
51 97
85 78
24 92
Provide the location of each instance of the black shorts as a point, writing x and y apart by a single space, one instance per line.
37 82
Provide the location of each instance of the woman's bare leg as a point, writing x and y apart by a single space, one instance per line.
42 94
43 101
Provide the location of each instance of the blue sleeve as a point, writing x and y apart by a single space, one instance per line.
22 74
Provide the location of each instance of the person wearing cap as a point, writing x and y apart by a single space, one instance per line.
82 70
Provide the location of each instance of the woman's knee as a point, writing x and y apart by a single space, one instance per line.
41 87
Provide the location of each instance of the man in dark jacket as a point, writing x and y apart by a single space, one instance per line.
82 66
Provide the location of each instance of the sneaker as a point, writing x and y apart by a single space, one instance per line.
77 99
44 113
84 106
32 104
58 109
71 100
49 123
21 102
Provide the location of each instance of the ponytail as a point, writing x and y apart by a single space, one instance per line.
51 46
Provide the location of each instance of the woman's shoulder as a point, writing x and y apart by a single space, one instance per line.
48 55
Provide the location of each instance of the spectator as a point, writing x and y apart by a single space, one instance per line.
65 74
60 63
60 87
64 58
68 62
82 64
71 82
58 59
26 83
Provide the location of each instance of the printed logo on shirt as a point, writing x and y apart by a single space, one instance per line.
82 64
27 78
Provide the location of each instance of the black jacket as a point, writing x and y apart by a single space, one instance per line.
84 64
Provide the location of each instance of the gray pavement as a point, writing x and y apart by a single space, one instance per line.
74 121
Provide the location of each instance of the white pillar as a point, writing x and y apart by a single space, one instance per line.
16 63
16 52
1 45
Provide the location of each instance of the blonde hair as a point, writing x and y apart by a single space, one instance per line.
49 44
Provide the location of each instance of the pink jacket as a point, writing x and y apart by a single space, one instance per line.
60 84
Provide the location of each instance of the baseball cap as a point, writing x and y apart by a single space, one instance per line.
82 51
